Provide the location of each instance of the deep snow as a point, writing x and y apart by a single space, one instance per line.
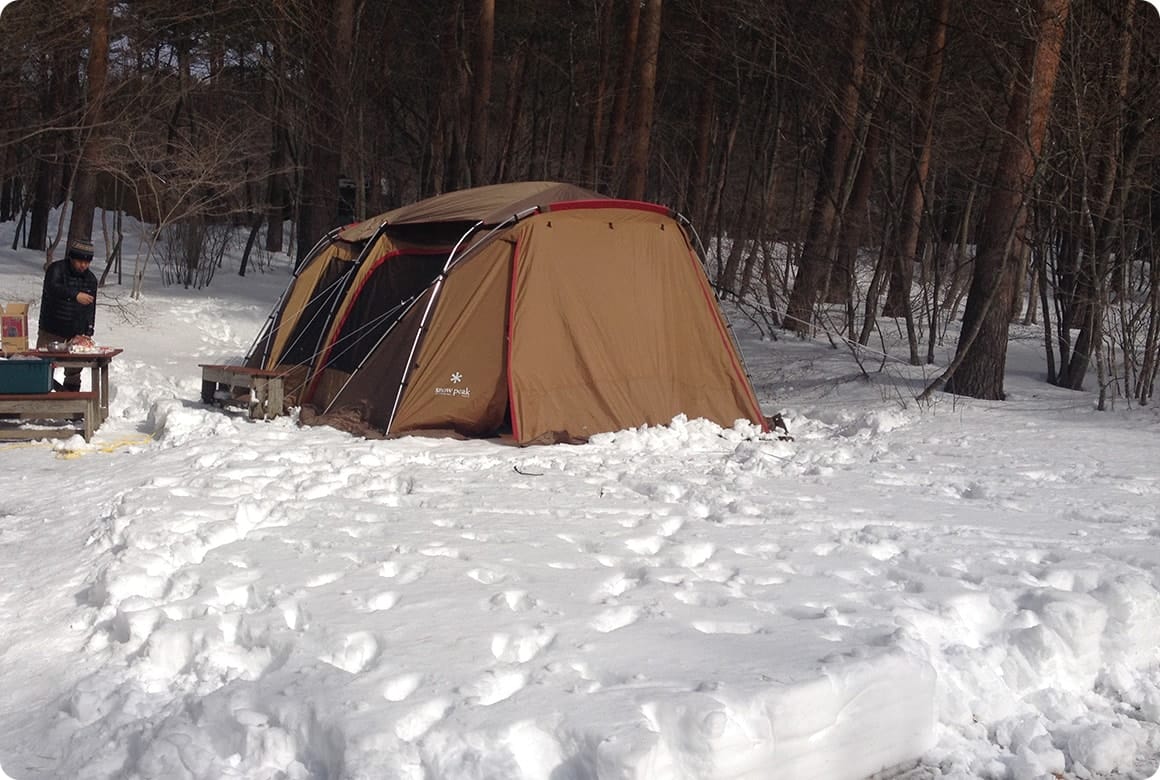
953 589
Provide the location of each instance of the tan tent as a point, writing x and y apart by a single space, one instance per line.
536 307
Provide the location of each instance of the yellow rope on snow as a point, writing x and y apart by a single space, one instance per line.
106 447
112 446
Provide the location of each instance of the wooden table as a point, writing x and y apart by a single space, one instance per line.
265 387
96 362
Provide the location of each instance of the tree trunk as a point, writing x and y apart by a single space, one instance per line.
726 157
589 163
481 92
327 70
9 190
857 220
517 73
898 297
1105 218
275 189
637 173
1039 256
255 226
618 121
45 185
699 162
981 356
85 194
444 107
815 260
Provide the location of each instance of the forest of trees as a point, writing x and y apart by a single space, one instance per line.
846 163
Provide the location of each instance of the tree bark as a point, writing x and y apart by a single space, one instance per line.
637 173
701 159
898 296
517 75
481 92
982 360
1105 218
618 120
318 211
593 144
815 259
85 194
45 185
857 220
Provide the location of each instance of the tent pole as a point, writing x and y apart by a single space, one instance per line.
313 368
699 249
452 259
266 329
423 324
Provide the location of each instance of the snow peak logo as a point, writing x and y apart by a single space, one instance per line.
456 391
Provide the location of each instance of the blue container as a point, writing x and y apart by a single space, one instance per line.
25 375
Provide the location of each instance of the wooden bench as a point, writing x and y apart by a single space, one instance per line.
67 406
266 398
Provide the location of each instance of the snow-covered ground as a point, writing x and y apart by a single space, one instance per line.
957 589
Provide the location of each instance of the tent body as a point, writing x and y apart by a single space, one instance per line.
535 307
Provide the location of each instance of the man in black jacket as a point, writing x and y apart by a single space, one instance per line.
68 304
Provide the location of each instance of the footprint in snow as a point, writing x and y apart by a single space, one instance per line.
358 653
401 687
522 646
495 686
323 579
234 590
419 721
648 545
514 600
293 613
616 585
440 551
691 556
701 598
616 618
487 576
381 602
404 575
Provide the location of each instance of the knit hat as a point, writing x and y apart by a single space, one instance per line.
80 249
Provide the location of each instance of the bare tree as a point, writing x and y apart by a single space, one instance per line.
898 298
618 121
327 72
481 91
85 193
814 264
981 356
637 175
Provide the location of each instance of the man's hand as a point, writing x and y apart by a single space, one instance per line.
84 299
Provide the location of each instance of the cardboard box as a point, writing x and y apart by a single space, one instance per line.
25 375
14 327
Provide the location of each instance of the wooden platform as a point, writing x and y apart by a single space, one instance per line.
80 409
266 398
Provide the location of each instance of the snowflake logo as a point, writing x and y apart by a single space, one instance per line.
457 377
